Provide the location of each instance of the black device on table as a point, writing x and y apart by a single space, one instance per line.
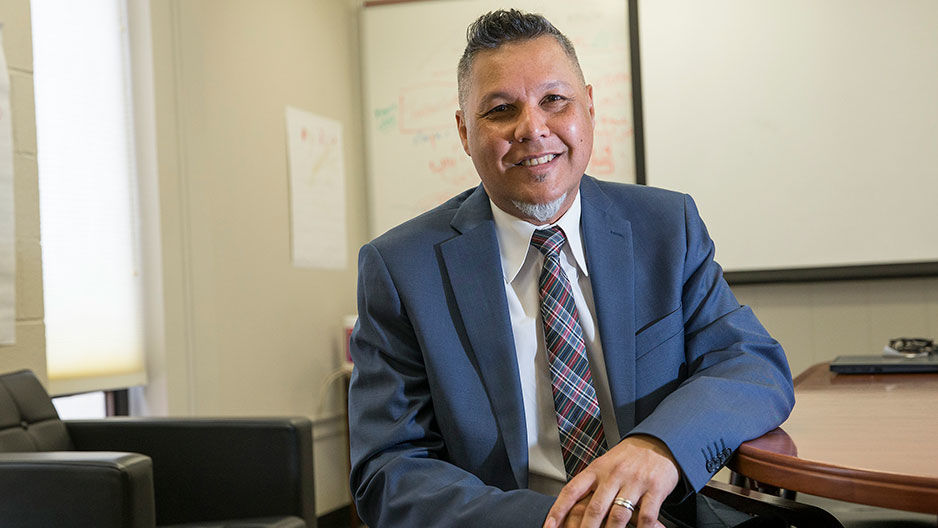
902 355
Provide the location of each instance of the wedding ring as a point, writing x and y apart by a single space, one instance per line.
625 503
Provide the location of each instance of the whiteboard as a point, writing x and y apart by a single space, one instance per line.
409 57
806 130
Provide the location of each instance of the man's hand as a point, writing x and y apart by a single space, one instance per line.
575 517
640 469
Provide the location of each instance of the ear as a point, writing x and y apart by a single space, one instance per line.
463 133
589 99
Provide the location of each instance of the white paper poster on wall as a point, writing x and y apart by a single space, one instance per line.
317 190
7 232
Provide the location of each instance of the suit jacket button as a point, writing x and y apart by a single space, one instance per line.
710 467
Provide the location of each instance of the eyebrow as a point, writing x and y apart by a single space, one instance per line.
547 86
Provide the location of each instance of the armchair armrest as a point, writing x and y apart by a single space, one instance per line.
754 502
213 469
107 490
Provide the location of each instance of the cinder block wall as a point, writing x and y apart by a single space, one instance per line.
30 348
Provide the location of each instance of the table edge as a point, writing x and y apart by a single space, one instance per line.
876 488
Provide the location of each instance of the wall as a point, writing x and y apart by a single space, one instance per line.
818 321
30 348
246 333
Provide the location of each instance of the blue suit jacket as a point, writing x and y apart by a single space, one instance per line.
435 408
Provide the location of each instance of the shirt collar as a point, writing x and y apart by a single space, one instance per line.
514 238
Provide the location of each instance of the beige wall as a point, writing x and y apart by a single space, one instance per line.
30 348
817 321
245 331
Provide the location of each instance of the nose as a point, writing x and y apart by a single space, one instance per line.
532 124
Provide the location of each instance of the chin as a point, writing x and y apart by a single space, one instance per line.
543 212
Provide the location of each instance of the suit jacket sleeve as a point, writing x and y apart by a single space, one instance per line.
400 473
738 384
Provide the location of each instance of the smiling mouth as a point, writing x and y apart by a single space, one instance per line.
536 161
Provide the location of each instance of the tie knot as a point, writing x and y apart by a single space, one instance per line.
548 241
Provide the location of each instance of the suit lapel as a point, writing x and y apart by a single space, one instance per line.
609 254
473 267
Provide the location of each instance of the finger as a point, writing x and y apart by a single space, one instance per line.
575 516
620 512
600 505
578 487
647 513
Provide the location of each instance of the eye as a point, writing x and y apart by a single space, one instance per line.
502 108
553 98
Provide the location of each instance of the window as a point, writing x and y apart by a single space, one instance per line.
89 214
80 406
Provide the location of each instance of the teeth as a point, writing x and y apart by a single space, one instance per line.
538 161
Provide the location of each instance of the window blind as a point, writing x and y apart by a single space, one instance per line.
87 195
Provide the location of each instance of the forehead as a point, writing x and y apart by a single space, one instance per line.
527 63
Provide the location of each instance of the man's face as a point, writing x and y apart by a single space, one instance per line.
528 125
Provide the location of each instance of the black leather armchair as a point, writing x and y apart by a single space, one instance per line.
134 473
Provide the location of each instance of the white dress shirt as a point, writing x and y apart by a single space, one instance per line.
521 266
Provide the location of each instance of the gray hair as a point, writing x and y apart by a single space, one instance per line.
495 28
541 212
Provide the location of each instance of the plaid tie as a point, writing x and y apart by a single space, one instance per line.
581 429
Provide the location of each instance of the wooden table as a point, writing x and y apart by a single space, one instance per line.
869 439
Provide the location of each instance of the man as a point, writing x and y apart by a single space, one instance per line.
547 349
